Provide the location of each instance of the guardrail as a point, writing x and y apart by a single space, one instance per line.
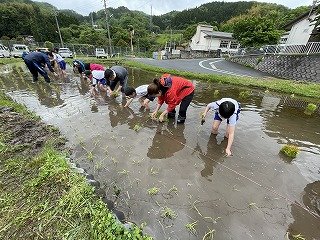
307 49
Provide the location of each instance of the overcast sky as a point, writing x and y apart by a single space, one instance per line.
159 7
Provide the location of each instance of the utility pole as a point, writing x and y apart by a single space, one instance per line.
92 19
151 20
55 15
107 22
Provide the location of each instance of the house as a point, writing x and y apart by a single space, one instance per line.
208 40
300 30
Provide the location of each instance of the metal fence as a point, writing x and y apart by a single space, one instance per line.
83 49
285 49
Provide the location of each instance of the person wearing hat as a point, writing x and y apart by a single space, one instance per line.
172 90
115 75
97 80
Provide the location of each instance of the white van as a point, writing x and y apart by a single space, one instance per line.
65 53
4 52
100 53
18 49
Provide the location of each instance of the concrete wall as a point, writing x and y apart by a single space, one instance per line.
301 68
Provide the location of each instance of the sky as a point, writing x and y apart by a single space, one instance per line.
159 7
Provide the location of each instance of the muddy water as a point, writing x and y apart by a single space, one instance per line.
255 194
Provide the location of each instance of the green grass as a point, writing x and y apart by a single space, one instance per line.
4 61
284 86
6 101
42 198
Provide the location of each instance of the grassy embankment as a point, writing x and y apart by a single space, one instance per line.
40 197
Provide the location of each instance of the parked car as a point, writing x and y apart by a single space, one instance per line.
100 53
19 49
44 50
65 53
4 52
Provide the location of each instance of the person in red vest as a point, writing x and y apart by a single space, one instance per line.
172 90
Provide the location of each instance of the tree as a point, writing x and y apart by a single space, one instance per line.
260 26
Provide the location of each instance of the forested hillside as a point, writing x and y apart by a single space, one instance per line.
24 17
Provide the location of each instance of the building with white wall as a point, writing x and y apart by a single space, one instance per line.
299 30
205 39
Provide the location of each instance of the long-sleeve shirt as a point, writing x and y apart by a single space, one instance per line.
39 58
180 88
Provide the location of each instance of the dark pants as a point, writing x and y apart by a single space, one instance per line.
36 68
183 106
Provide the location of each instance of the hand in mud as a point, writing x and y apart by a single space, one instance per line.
161 118
228 153
153 115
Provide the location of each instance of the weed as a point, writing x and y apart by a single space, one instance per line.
216 93
153 191
290 150
168 213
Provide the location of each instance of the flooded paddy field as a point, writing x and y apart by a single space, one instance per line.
175 179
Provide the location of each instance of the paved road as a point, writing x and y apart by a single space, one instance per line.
213 65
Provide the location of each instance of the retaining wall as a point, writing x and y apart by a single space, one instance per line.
301 68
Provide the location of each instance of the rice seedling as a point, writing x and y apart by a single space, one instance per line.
153 191
174 190
290 151
191 227
168 213
244 94
310 109
124 172
137 127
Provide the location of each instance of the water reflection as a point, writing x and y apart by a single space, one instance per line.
213 149
305 223
168 140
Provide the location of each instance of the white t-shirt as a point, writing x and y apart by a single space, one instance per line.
215 106
57 57
97 75
142 91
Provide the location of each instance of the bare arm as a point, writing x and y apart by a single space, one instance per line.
156 110
128 102
231 130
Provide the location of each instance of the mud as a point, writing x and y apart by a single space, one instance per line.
255 194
